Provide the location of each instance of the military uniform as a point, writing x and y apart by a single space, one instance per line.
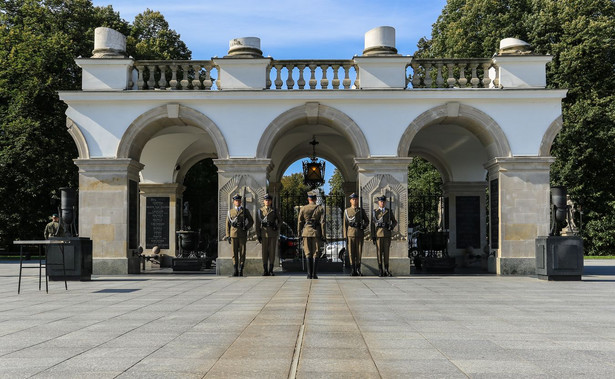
53 229
311 227
267 220
238 222
355 221
383 222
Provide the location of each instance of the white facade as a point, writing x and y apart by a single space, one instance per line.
369 129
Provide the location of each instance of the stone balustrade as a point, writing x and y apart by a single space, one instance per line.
174 75
452 73
317 74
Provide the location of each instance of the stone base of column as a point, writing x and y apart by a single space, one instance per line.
516 266
110 266
397 266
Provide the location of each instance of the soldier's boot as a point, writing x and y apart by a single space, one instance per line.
380 271
271 269
241 270
314 268
386 271
310 268
359 269
235 270
265 271
354 270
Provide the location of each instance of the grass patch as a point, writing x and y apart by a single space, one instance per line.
599 257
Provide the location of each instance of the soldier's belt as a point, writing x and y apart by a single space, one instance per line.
312 223
382 225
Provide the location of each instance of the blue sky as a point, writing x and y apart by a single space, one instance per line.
316 29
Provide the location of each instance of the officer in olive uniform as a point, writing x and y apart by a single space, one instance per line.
383 222
54 228
238 222
267 220
355 221
311 226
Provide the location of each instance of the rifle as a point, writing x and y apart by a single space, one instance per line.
243 205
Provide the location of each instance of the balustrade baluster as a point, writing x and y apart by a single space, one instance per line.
278 79
486 79
439 78
290 82
268 75
346 81
416 77
173 82
462 75
196 81
324 82
162 83
151 81
357 81
451 81
428 81
184 82
313 81
474 81
336 81
496 80
140 79
301 81
218 86
207 83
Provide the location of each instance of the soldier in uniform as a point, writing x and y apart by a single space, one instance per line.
355 221
311 226
54 228
238 222
383 222
267 220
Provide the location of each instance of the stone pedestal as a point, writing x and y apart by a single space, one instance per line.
107 213
522 192
559 258
244 176
389 177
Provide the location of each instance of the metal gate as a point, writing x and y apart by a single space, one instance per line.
332 252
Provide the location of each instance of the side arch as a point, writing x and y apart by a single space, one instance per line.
151 122
79 138
312 113
476 121
549 136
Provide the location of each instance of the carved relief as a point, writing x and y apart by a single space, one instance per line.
246 186
397 199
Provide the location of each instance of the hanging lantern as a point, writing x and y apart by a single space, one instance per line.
313 170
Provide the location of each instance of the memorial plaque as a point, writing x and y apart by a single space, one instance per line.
468 221
157 222
494 217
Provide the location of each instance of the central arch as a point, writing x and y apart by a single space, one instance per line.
313 113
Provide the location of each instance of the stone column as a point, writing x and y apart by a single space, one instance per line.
171 191
240 175
108 206
389 177
466 217
522 194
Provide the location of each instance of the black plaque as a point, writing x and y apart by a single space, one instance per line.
468 221
133 214
157 222
494 216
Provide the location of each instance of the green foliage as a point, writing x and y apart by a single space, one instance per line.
424 195
336 183
151 38
39 40
292 185
580 35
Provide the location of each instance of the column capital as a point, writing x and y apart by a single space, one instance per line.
377 164
461 188
110 166
163 189
243 165
519 163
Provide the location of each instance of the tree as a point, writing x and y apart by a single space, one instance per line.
424 195
39 40
151 38
336 183
579 34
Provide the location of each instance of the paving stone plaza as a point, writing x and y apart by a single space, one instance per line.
195 326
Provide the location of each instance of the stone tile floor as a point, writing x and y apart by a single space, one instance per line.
195 326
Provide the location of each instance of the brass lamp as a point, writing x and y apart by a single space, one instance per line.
313 170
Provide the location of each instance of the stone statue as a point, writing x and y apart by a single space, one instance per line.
186 216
